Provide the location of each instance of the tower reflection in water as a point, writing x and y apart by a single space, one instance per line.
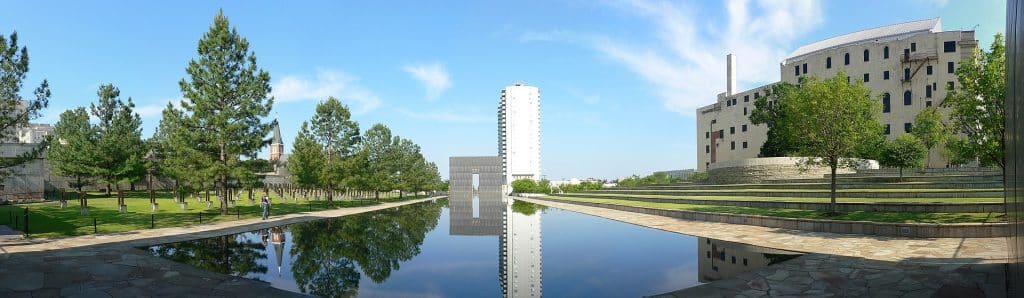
478 208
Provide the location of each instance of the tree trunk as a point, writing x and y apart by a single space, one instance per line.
901 174
832 206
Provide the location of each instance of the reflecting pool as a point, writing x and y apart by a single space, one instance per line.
477 244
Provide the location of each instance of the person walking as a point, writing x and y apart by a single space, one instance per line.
265 204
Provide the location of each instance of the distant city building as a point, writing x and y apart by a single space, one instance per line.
519 132
34 133
908 66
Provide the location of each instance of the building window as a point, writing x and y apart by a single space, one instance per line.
949 46
732 130
744 145
743 128
913 47
848 79
707 134
796 70
928 103
721 134
728 102
928 91
709 254
906 98
805 68
949 86
906 74
734 259
885 75
757 95
928 70
885 52
885 103
906 54
746 98
744 261
867 55
707 149
887 128
732 145
846 59
866 78
744 111
828 62
950 67
907 127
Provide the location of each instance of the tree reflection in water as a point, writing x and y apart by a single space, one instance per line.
328 255
232 254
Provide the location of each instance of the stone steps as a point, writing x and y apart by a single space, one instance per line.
821 186
894 179
843 207
965 193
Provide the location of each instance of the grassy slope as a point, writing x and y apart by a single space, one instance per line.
901 217
49 220
805 200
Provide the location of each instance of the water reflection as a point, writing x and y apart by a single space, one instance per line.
493 247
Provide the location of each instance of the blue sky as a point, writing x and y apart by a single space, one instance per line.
619 79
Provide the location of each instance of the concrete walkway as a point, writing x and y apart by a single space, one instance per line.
839 265
110 265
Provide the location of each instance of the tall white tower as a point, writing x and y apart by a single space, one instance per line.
519 132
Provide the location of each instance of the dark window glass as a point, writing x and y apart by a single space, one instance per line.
796 70
928 91
866 78
885 53
734 259
744 127
757 95
950 67
949 85
732 145
885 75
828 62
886 103
949 46
744 111
906 98
721 133
805 68
707 149
746 98
846 59
887 127
913 47
928 70
906 54
744 145
709 254
732 130
744 261
928 103
707 134
907 127
906 74
867 55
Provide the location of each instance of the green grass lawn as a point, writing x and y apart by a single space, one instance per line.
47 219
803 199
908 190
901 217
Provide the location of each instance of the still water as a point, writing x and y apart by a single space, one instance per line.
475 246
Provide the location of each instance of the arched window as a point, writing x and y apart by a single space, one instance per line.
906 98
885 53
886 104
846 59
867 55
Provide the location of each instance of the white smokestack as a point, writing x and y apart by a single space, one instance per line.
730 74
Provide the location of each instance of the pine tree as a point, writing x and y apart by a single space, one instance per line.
120 147
74 151
338 135
227 99
15 111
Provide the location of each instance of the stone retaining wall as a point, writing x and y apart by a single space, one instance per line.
816 194
843 207
756 170
986 230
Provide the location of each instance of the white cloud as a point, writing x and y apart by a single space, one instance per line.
687 63
449 116
156 109
433 76
326 83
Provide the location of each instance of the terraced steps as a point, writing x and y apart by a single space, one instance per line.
894 179
822 193
948 205
823 185
925 172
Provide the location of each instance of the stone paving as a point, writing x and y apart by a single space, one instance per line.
839 265
110 265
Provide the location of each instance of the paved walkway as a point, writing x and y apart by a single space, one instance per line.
839 265
110 265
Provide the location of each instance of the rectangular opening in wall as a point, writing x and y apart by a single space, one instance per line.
476 206
476 181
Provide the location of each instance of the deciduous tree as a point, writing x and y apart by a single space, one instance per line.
977 107
906 151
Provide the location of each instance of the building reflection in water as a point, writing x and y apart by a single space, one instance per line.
478 208
717 259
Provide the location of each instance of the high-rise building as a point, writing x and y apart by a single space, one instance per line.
519 132
908 67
